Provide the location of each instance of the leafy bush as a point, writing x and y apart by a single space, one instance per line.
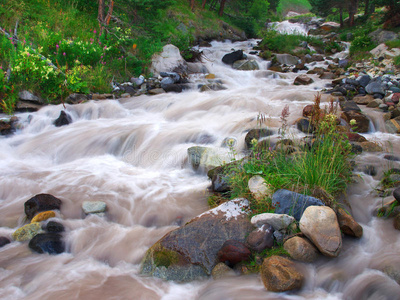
362 43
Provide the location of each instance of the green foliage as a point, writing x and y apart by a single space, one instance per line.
396 61
286 43
362 43
285 6
393 43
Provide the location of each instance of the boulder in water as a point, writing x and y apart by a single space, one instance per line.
245 65
256 134
47 243
279 274
41 202
43 216
362 121
301 249
230 58
167 60
27 232
4 241
54 227
348 225
190 252
63 119
303 80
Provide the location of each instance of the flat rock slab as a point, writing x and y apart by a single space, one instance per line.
190 252
320 225
291 203
94 207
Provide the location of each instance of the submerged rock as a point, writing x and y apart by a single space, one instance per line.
230 58
190 252
94 207
279 274
43 216
303 80
63 119
320 225
246 65
4 241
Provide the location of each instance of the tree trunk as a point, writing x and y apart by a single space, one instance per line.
221 8
110 11
100 16
191 4
353 5
204 4
341 16
366 11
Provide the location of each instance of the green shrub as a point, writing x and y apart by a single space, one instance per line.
361 44
396 61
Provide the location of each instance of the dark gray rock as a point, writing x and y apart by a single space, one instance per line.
4 241
55 227
364 80
63 119
173 75
304 125
375 87
291 203
29 97
380 36
230 58
47 243
76 98
343 63
41 202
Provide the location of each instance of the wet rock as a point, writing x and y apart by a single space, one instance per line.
396 195
301 249
230 58
256 134
41 202
380 36
349 106
370 170
246 65
391 157
374 103
362 121
43 216
63 119
233 252
261 238
320 225
279 274
317 70
348 225
190 252
216 86
221 270
327 75
7 126
259 188
277 221
94 207
156 91
27 232
364 80
287 59
206 158
396 222
343 63
138 81
303 80
370 147
392 126
55 227
166 82
47 243
355 137
294 204
363 100
4 241
172 75
25 106
76 98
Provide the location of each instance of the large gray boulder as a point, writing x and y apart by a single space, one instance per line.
380 36
167 60
320 225
191 252
291 203
246 65
287 59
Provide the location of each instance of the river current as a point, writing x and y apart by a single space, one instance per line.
132 154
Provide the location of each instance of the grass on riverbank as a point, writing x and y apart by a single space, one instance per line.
319 167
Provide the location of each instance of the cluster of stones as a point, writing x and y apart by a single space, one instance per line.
219 242
44 234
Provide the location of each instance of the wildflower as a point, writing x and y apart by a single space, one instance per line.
28 54
353 122
57 46
94 31
64 53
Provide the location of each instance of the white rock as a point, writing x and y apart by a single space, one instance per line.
277 221
167 60
379 50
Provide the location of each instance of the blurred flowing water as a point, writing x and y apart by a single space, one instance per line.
132 154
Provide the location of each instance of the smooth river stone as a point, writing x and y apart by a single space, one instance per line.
320 225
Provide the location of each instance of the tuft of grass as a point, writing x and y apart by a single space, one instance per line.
302 6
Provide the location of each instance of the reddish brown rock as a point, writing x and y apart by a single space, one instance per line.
233 252
348 225
362 121
355 137
303 80
363 100
279 274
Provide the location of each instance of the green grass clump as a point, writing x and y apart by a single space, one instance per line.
302 6
320 168
396 61
393 43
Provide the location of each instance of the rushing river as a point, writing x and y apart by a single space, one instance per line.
132 154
